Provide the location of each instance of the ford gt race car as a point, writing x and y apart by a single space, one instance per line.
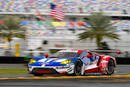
73 62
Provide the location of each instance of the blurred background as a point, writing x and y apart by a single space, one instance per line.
39 25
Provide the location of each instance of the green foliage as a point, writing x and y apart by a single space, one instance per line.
100 28
52 51
11 27
13 71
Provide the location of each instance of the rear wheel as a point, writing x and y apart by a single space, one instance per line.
111 67
78 68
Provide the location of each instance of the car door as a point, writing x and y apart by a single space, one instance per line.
84 59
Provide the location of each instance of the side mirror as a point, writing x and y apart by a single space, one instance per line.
46 55
88 55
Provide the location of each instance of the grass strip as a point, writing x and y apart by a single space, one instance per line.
11 71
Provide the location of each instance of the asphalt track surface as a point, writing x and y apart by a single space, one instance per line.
64 83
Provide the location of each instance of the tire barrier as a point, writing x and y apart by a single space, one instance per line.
123 60
8 59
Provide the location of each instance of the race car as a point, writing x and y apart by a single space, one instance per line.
73 62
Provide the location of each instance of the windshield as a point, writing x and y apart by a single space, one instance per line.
66 54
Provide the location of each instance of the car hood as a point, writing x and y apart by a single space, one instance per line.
53 61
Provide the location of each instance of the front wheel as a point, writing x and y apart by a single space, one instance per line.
78 68
110 67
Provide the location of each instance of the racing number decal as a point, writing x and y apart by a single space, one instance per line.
104 63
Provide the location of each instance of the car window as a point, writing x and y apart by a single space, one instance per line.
83 54
97 57
93 56
66 54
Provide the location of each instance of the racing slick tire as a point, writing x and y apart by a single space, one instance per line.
110 67
78 68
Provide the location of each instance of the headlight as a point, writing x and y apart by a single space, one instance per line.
66 62
32 61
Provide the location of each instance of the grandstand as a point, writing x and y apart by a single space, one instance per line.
70 6
64 34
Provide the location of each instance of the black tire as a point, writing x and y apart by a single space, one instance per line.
35 74
78 67
111 67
